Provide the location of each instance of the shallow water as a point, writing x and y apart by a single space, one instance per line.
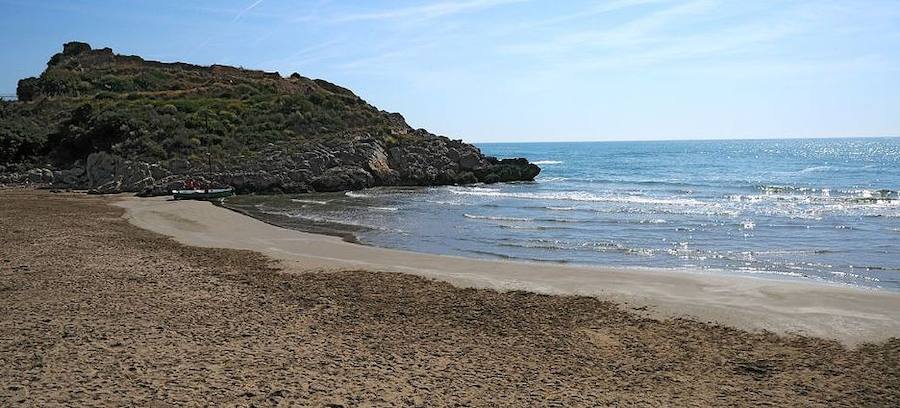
818 209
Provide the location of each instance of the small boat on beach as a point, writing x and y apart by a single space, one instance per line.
192 189
203 194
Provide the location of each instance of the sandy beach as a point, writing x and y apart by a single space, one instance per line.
848 314
123 301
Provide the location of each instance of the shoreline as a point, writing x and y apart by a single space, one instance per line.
102 311
849 314
777 276
348 237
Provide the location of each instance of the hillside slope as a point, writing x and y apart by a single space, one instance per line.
94 119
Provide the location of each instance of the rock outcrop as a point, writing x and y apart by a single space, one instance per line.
352 165
124 124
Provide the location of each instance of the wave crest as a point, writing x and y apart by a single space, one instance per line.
496 218
355 194
579 196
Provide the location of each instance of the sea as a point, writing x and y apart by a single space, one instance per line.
811 209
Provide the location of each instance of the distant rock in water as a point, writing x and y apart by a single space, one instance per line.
114 123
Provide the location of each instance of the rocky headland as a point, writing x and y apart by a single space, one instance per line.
111 123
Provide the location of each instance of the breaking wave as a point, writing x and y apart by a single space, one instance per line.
577 196
356 194
496 218
305 201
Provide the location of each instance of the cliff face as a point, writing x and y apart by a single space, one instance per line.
113 123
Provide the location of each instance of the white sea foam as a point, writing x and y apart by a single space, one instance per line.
581 196
560 208
303 201
444 202
388 209
539 162
654 221
355 194
496 218
756 271
815 168
318 219
532 227
539 244
551 179
481 189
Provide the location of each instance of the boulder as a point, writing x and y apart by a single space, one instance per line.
72 178
13 178
343 178
108 174
253 181
378 165
507 170
100 168
40 176
469 161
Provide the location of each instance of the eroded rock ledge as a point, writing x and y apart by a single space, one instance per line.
355 165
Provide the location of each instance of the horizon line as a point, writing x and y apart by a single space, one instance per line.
686 139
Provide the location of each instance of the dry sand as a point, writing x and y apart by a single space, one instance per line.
96 312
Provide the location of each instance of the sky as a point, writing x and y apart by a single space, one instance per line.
526 70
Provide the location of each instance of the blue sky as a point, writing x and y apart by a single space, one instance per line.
519 70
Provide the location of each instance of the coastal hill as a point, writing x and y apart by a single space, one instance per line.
111 123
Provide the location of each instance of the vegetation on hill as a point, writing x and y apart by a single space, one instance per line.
94 100
114 123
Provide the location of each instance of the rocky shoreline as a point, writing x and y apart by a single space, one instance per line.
356 164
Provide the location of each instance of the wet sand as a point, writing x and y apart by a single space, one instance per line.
98 312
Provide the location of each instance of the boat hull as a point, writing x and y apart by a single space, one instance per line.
211 194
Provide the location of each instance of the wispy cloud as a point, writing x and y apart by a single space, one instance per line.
658 36
395 52
428 10
326 50
635 32
246 10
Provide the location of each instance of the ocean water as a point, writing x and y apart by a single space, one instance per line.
819 209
